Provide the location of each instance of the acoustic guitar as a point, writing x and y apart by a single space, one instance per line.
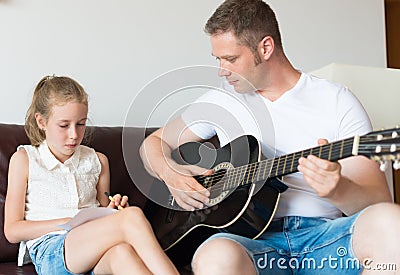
245 190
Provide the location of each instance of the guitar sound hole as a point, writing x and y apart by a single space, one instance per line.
216 185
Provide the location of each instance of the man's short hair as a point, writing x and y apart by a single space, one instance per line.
249 20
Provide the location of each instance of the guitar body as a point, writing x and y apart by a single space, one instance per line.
247 210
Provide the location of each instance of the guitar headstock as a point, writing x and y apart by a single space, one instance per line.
382 146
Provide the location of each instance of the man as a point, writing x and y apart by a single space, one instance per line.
308 233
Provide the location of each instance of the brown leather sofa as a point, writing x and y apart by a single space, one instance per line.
107 140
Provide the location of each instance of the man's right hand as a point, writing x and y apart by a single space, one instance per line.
187 192
156 155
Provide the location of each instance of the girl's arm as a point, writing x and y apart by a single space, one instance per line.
104 186
16 228
104 180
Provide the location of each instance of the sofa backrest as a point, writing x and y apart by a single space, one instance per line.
10 137
107 140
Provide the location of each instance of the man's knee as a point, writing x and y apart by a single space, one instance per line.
380 218
377 227
220 256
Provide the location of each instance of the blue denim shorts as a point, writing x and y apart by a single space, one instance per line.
47 255
302 245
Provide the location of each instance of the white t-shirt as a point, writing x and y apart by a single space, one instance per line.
314 108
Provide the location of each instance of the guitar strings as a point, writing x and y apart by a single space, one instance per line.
250 169
292 156
258 167
246 167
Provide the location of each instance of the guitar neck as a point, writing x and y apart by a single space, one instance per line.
287 164
380 145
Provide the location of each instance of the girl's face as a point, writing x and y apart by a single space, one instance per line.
65 128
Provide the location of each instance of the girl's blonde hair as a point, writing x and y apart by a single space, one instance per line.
50 91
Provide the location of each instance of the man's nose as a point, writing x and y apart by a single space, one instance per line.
223 72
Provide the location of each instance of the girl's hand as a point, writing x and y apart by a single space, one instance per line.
118 201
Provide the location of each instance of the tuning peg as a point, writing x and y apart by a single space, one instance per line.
383 165
396 164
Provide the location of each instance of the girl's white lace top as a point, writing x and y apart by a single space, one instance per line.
56 189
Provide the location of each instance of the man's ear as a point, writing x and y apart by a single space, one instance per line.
41 121
266 47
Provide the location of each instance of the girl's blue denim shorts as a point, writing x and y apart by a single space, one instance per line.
47 255
302 245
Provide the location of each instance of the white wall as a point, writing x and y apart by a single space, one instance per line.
116 48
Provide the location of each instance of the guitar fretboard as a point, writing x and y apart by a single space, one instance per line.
380 145
283 165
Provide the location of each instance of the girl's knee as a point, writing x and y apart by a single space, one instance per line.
121 250
133 210
121 255
133 217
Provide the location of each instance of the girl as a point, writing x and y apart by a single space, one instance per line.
54 177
